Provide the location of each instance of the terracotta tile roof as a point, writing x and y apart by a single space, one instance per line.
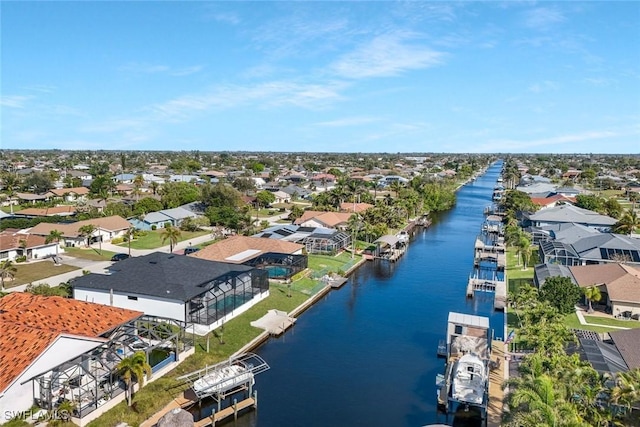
329 219
545 201
57 210
628 342
224 249
354 207
80 191
30 323
9 240
111 223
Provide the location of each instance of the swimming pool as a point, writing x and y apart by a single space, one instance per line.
277 271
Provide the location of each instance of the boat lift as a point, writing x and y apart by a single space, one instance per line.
226 378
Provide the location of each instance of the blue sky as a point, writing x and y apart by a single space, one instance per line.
322 76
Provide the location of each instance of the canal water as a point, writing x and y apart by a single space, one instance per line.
365 355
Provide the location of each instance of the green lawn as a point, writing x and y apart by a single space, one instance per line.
515 274
572 322
612 322
153 239
37 271
93 254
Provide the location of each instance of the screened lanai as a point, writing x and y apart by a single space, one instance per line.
225 294
554 252
279 265
90 380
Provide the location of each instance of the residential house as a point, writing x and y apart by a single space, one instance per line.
14 243
33 198
316 240
336 220
71 194
296 192
354 207
65 211
570 214
202 293
155 220
40 334
619 285
281 197
124 178
280 258
106 229
628 342
600 248
552 201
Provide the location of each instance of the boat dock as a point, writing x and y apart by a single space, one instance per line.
499 287
498 374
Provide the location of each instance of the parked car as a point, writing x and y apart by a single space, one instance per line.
190 250
119 257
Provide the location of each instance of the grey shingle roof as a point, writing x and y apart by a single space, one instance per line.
164 275
628 342
544 271
570 213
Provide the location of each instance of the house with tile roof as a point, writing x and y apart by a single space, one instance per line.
336 220
199 292
70 194
63 210
619 285
39 335
14 243
281 259
106 229
354 207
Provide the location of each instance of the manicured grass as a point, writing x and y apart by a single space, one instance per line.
36 272
93 254
153 239
633 324
572 322
610 193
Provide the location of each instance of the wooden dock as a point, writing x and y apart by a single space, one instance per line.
497 376
226 412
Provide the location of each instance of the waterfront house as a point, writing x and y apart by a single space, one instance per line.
336 220
598 248
199 292
55 349
280 258
570 214
316 240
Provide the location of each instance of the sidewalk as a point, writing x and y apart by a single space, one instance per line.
584 322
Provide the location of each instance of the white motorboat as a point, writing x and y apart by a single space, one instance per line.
469 380
222 379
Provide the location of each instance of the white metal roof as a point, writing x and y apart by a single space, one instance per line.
469 320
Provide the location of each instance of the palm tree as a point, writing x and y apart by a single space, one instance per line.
130 232
134 366
54 236
626 390
172 234
591 293
7 271
87 231
627 224
536 401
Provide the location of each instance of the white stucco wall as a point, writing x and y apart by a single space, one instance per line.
149 305
43 251
20 397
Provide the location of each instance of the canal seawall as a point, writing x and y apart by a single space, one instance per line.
366 353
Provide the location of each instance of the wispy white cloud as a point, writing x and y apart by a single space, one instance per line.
598 81
186 70
544 86
271 94
386 55
542 18
143 68
15 101
226 17
41 88
146 68
348 121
